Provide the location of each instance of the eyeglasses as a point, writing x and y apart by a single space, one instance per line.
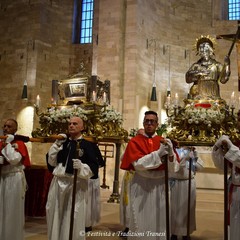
149 121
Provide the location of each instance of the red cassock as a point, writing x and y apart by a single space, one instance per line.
138 147
22 149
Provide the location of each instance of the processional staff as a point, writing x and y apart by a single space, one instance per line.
167 197
165 160
225 199
78 154
189 197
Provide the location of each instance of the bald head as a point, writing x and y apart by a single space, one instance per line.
75 127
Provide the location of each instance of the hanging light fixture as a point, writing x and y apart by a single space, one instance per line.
169 72
24 91
154 89
154 93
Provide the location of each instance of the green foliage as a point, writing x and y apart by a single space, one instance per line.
162 129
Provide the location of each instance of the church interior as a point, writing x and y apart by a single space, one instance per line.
139 54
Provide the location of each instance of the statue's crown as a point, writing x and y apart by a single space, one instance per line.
204 39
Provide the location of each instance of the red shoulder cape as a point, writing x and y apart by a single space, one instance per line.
22 149
138 147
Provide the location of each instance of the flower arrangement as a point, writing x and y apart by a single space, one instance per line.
109 114
62 115
206 116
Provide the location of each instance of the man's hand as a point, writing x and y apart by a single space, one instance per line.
168 146
9 138
218 144
59 142
225 146
77 164
162 151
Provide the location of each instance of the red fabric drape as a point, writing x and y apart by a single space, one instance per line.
38 181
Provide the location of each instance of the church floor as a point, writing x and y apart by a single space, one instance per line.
209 215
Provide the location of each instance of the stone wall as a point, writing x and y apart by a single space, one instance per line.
36 46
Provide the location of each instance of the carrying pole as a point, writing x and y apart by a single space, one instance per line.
225 199
189 197
167 197
77 155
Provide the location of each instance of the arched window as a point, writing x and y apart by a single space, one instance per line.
82 21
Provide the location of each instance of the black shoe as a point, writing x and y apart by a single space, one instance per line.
174 237
186 238
88 229
126 230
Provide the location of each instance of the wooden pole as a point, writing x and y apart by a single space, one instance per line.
23 138
167 197
189 197
225 199
73 204
77 155
47 139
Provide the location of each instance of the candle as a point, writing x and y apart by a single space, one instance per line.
38 101
176 99
232 101
104 97
94 97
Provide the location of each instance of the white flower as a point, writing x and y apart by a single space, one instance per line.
110 115
207 116
63 115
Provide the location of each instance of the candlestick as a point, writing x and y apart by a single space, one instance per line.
168 100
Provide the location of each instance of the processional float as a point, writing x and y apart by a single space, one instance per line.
89 98
202 120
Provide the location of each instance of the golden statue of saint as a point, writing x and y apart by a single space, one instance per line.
206 73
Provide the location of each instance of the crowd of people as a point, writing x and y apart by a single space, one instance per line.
75 162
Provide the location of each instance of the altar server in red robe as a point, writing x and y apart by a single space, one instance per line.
13 159
146 154
124 197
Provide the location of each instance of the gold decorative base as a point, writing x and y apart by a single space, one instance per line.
202 122
100 121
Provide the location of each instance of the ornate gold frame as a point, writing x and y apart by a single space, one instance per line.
72 91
